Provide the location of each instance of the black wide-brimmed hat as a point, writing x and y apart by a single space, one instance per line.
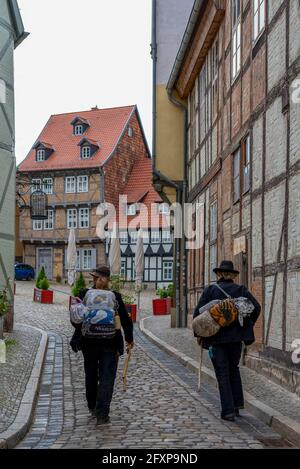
226 266
102 271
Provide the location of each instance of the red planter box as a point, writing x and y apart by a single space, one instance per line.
161 307
132 310
43 296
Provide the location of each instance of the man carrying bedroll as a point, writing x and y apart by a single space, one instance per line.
225 346
101 342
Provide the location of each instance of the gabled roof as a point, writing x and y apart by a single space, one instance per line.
79 119
140 190
17 23
42 144
89 141
106 127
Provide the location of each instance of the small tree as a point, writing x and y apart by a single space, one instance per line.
79 285
170 290
40 277
44 284
162 293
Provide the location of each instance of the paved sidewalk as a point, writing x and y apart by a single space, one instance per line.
267 393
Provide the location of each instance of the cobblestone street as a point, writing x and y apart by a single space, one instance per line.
161 408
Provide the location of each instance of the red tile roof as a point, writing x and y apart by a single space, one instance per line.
106 128
140 190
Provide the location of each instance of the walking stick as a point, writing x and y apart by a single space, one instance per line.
126 369
200 365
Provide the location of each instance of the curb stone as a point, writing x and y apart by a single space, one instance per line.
288 428
18 429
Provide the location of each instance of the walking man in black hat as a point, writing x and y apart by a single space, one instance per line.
225 347
101 355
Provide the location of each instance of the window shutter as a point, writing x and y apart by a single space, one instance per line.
94 258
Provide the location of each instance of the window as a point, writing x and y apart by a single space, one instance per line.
246 165
78 130
133 270
236 175
37 225
48 185
84 215
70 184
236 37
72 218
82 184
130 132
164 209
215 76
48 224
212 261
85 152
167 271
213 222
133 237
123 237
155 237
87 259
36 185
166 237
40 155
259 17
123 270
131 209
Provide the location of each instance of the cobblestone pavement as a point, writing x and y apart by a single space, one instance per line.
161 408
15 373
257 385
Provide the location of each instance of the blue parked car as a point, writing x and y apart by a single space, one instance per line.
24 272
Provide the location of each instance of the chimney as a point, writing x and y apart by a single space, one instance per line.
95 108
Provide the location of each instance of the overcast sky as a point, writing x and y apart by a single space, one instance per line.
81 53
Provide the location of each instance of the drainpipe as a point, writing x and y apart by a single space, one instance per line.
181 312
154 82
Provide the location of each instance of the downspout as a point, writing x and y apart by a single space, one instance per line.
181 314
154 82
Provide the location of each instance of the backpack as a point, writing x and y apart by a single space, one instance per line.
99 317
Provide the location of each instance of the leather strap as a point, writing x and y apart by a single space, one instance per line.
223 291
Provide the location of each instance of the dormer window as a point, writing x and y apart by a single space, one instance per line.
40 155
80 125
131 209
78 130
43 151
88 148
85 152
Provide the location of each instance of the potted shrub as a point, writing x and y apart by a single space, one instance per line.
161 306
129 301
79 285
4 307
42 294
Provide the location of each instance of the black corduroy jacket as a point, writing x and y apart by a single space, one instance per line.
234 332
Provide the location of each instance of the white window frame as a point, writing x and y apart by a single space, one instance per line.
72 218
167 271
82 184
214 222
246 164
166 236
133 237
86 152
155 237
49 223
164 209
123 273
70 185
36 184
37 225
131 209
84 218
48 185
213 261
123 236
87 259
259 18
40 155
78 129
130 132
236 39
